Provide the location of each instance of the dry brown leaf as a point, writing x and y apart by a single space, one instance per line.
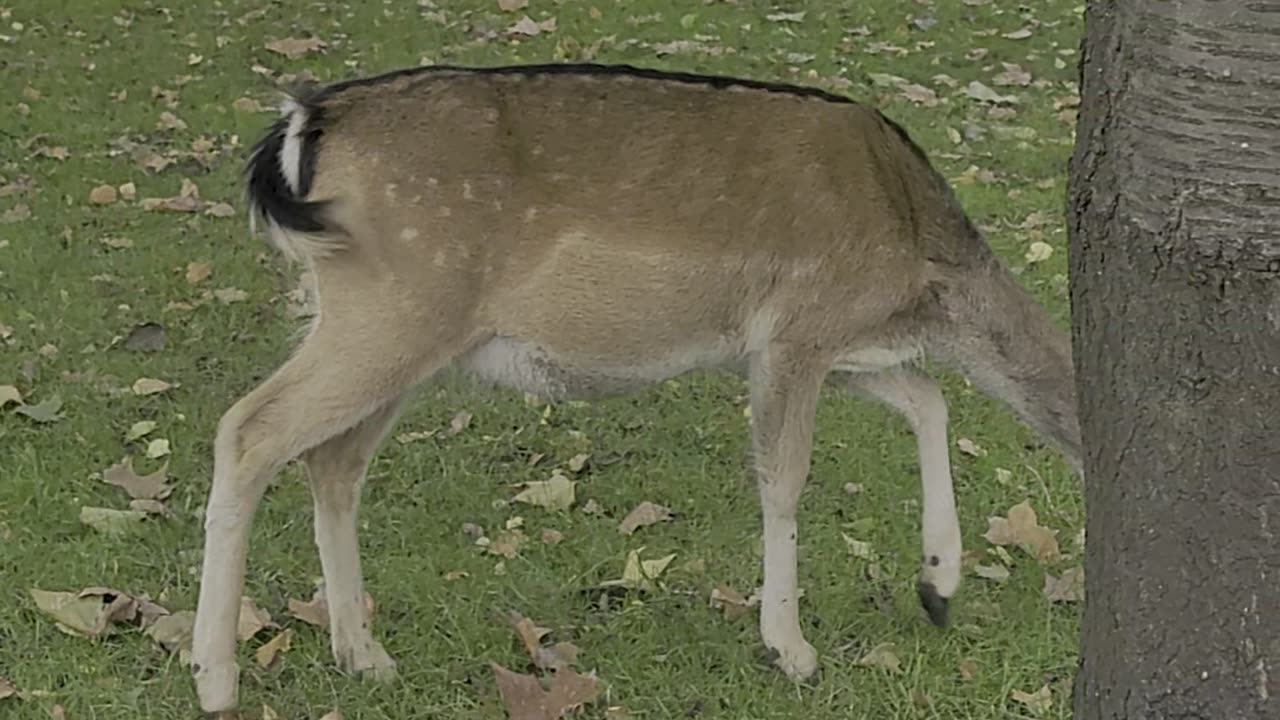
1038 252
970 448
89 613
997 573
7 689
1068 587
551 536
173 633
1013 75
144 487
229 295
197 272
731 602
110 520
968 669
103 195
1038 701
1020 528
294 48
577 462
252 619
554 494
527 26
525 699
507 544
248 104
187 200
884 655
512 5
17 213
220 210
334 714
644 514
316 611
9 394
920 94
150 386
458 423
267 652
152 507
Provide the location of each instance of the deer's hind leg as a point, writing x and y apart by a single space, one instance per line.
332 396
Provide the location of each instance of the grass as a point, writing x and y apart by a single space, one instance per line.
661 655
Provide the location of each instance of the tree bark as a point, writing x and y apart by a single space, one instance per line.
1174 206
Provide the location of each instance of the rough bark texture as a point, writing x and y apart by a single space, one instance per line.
1175 287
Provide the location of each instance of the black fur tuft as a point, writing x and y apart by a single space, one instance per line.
270 196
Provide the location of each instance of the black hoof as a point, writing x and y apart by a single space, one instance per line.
933 603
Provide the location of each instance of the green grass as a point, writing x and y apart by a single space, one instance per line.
661 655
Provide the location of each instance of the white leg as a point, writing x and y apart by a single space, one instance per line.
336 470
784 398
920 401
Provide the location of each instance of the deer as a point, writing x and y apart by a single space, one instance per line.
581 230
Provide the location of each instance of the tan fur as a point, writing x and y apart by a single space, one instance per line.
579 235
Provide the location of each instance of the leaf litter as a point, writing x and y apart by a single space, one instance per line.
1020 527
555 657
525 698
140 487
645 514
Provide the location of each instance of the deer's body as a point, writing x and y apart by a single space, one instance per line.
579 231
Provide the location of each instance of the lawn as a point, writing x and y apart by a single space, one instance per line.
149 96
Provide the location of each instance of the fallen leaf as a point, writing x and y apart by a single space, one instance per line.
197 272
7 689
173 633
525 699
294 48
157 448
187 200
9 394
1038 252
316 611
997 573
786 16
44 412
458 423
128 191
978 91
731 602
153 507
971 448
551 536
267 652
252 619
169 121
639 573
554 494
920 95
220 210
560 655
1068 587
1038 701
858 548
968 669
591 507
17 213
507 544
334 714
644 514
1019 34
150 386
145 337
89 613
102 195
512 5
111 521
579 461
142 487
453 575
884 655
1020 528
528 27
1012 75
248 104
269 713
229 295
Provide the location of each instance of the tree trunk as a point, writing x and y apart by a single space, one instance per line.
1174 203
